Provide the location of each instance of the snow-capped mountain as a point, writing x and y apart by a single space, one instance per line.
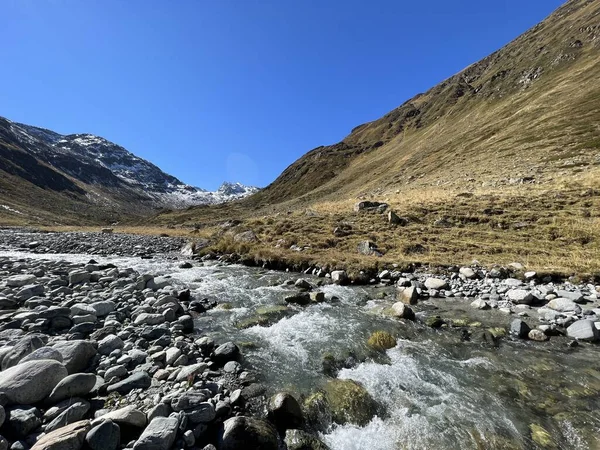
96 161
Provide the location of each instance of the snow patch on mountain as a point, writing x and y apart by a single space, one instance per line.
160 187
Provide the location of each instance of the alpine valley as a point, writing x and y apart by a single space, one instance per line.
47 177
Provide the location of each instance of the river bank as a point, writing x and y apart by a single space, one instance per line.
453 361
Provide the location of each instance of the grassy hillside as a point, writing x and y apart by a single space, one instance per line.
507 151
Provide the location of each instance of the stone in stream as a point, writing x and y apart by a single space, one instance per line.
407 295
243 432
480 304
70 437
284 411
402 311
339 277
75 385
537 335
139 380
160 434
32 381
519 328
226 352
298 299
584 330
105 436
76 354
301 440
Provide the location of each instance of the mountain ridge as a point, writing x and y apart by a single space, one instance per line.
96 171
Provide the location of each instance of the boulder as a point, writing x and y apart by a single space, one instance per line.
24 347
467 272
284 411
368 248
301 440
240 433
20 280
75 385
226 352
339 277
584 330
105 436
76 354
349 402
520 296
407 295
22 420
70 437
79 276
109 344
519 328
160 434
402 311
370 206
436 283
32 381
302 298
73 413
564 305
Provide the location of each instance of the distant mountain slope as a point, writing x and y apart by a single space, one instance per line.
89 173
525 110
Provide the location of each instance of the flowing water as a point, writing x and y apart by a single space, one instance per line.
437 390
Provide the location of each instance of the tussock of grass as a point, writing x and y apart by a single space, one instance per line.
381 341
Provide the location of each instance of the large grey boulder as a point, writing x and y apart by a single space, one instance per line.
226 352
160 434
402 311
339 277
32 381
584 330
23 348
243 432
519 328
110 343
75 385
103 308
73 413
564 305
407 295
105 436
70 437
79 276
76 354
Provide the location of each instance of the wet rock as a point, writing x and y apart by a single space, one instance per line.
339 277
537 335
298 299
407 295
160 434
402 311
226 352
301 440
240 433
519 328
70 437
32 381
284 411
583 330
349 402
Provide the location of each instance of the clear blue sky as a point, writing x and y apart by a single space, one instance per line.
214 90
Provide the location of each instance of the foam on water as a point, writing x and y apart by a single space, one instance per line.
428 405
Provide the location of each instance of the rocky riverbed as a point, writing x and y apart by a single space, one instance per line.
175 353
